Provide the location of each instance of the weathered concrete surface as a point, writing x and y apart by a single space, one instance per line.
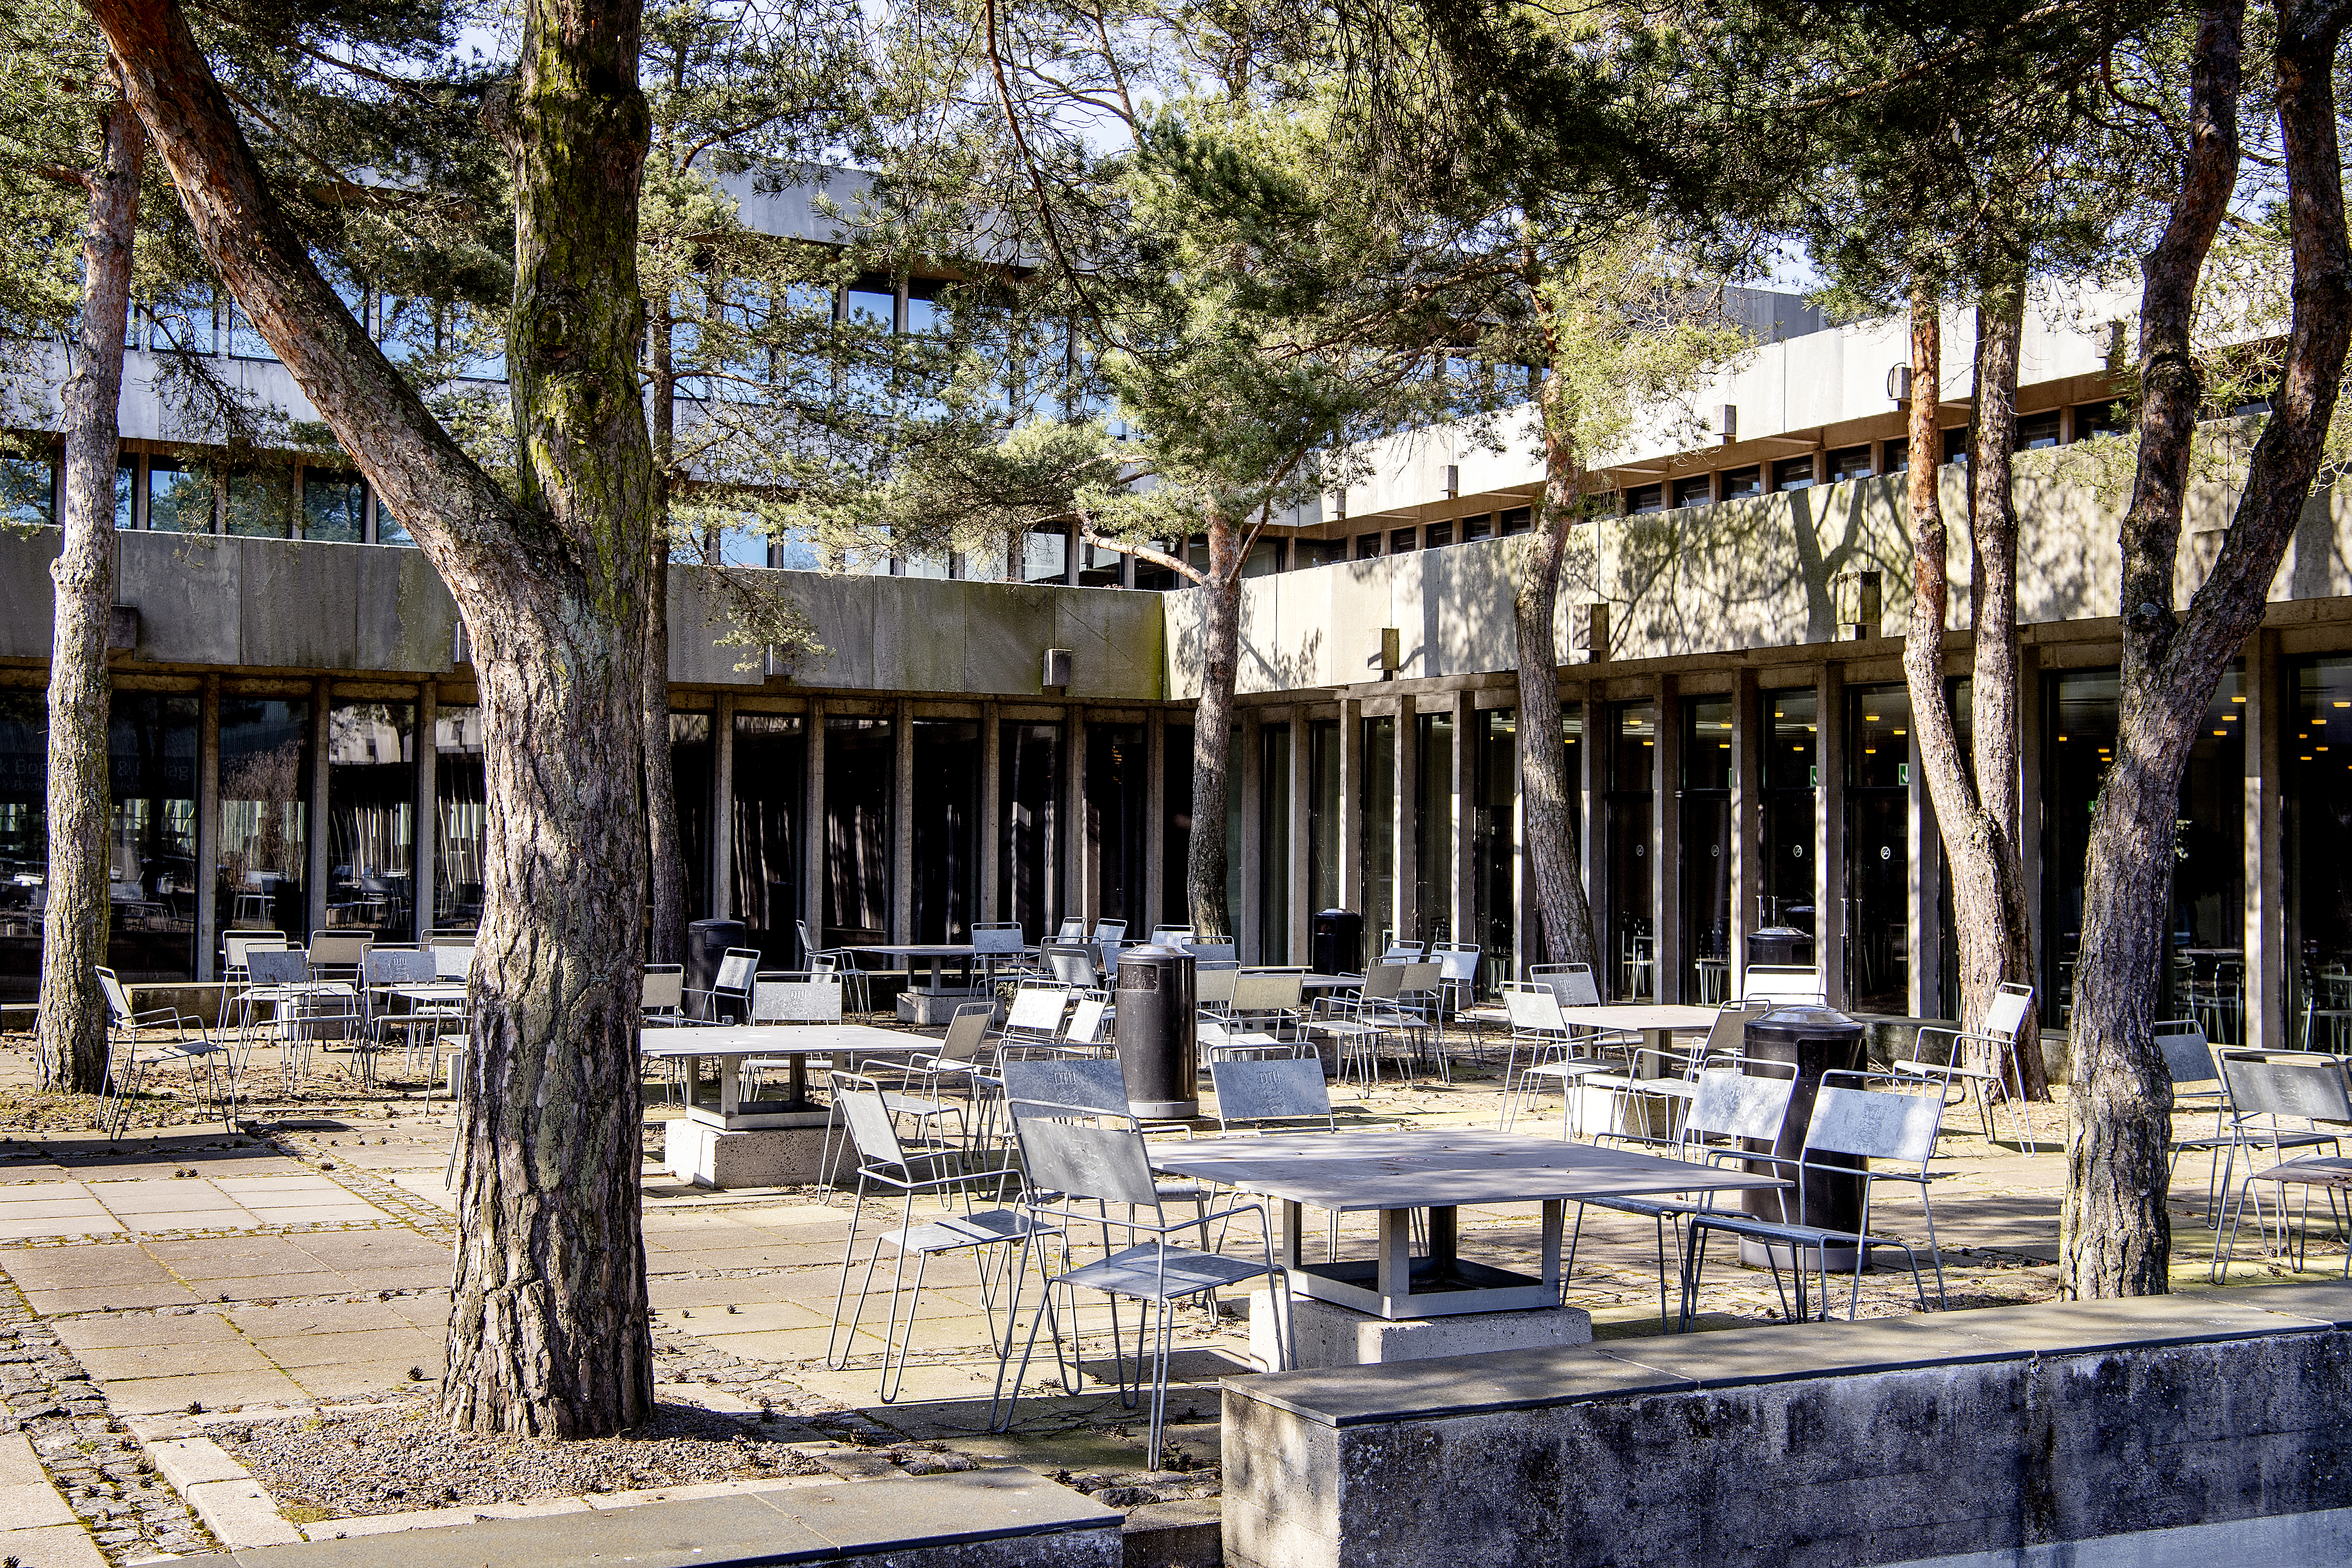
1325 1333
1834 1446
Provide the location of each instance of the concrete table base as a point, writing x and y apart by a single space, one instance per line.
709 1156
1327 1334
935 1009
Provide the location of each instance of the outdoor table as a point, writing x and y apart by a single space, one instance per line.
730 1045
1657 1025
937 954
1397 1172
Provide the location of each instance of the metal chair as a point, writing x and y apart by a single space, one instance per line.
1072 963
236 944
1220 1041
1033 1019
727 999
1090 1169
2197 1076
1457 964
1214 989
1108 938
887 1166
1274 999
1083 1029
1854 1124
1782 983
452 960
1977 1058
997 945
383 972
662 994
2275 1105
1554 1052
131 1050
856 996
1571 983
1288 1090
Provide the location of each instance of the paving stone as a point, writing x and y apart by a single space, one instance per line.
57 1546
240 1514
118 1330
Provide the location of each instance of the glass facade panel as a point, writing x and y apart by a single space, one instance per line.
334 508
2209 851
1029 846
1118 821
1380 804
2316 752
946 828
1790 772
692 765
1323 810
1493 845
257 506
461 819
29 494
1176 834
265 815
1273 879
1706 849
1632 951
1433 827
371 817
179 500
2079 711
771 783
1879 850
1571 738
860 774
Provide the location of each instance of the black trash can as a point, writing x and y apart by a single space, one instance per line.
1338 943
1780 945
706 942
1813 1041
1159 1054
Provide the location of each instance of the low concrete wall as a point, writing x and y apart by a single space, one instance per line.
2187 1429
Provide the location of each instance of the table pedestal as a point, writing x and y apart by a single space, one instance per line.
1324 1334
1440 1284
782 1155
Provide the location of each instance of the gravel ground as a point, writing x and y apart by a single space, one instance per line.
390 1461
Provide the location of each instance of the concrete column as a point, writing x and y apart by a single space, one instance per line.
1600 740
1464 892
315 873
1925 971
425 876
1155 842
813 859
1749 735
1407 902
1244 782
991 812
902 823
1351 804
1666 833
722 808
1829 832
1301 806
208 827
2268 952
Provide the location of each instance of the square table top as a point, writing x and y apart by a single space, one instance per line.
1642 1016
780 1040
1395 1169
931 949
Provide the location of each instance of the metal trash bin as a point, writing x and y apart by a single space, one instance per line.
1783 946
706 942
1812 1040
1158 1050
1337 947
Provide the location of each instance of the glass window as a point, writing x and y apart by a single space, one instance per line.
1480 527
860 786
461 819
1264 559
1493 845
1306 552
181 322
1632 950
1433 827
1790 772
1323 809
1029 793
2315 749
126 495
1645 498
2081 710
2035 431
693 764
1850 463
257 506
1439 535
179 500
948 829
245 340
1366 546
2093 420
1518 520
770 776
1380 804
2208 850
371 817
1118 820
1956 445
1793 473
1402 539
1176 833
1695 489
1896 454
1739 484
1706 849
265 815
1273 843
28 496
334 507
1879 850
1045 555
388 528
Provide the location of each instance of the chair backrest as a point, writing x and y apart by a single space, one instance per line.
1728 1104
398 968
236 944
796 1002
1383 981
283 966
1571 983
967 1033
455 961
1871 1124
465 938
1456 960
2007 1013
1170 936
1085 1025
1216 984
1405 952
1086 1083
868 1116
339 950
1782 983
1082 1161
736 968
1037 1009
663 987
1110 931
1419 978
1002 936
1211 952
118 1000
1728 1035
1074 928
1267 992
1070 966
1532 1007
2188 1056
2304 1087
1269 1090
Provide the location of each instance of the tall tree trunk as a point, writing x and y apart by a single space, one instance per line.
1988 882
666 862
1546 792
1213 729
2116 1235
548 1330
71 1023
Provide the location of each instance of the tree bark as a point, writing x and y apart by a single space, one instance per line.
1213 729
1546 792
1975 811
666 862
2116 1231
71 1023
548 1328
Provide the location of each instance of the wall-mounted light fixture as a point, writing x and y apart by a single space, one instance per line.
1898 383
1452 480
122 629
1727 422
1392 653
1056 673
